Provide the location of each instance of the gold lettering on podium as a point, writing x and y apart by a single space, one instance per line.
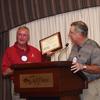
41 80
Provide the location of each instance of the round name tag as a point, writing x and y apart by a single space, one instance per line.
24 58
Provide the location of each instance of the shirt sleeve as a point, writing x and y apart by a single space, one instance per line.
95 57
5 61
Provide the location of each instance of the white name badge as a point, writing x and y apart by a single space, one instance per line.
24 58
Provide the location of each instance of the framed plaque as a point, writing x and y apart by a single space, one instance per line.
51 43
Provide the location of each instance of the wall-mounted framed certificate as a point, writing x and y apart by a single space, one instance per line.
51 43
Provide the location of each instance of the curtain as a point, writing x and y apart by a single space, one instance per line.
42 28
18 12
5 84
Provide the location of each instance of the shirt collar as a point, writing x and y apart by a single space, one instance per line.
81 45
16 46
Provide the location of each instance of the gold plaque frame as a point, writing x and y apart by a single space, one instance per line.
51 43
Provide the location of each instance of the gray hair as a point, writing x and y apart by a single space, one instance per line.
81 27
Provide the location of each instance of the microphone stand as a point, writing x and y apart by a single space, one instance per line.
62 51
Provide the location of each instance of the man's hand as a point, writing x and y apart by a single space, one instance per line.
9 71
50 53
77 67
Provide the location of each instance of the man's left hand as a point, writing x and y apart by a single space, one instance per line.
77 67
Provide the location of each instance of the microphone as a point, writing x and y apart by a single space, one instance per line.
62 51
66 44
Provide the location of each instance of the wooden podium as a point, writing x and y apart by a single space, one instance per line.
49 79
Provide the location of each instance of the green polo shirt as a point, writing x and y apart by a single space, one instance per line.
87 53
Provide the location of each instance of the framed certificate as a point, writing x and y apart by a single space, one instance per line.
51 43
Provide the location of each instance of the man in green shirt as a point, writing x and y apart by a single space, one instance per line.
85 54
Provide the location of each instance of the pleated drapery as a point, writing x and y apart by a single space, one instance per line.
5 83
18 12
